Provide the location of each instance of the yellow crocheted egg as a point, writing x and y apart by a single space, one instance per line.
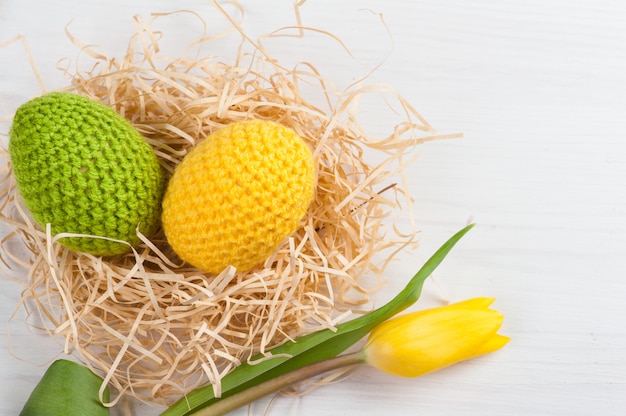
237 195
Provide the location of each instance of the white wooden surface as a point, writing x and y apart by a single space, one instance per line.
539 89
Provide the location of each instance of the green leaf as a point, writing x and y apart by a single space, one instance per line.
316 346
67 389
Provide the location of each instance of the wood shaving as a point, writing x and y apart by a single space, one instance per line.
155 327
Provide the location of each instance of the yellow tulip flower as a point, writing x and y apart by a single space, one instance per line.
422 342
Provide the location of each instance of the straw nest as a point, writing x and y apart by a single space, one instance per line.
155 327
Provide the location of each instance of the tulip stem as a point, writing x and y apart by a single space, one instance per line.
273 385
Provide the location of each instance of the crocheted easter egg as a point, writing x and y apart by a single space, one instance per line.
83 169
237 195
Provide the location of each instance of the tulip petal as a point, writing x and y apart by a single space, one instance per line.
493 344
474 303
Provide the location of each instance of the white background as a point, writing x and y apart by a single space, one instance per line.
539 90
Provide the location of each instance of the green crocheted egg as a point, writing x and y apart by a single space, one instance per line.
83 169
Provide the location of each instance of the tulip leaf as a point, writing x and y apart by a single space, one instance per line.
67 389
313 347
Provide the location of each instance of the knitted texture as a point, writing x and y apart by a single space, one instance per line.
237 195
84 169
